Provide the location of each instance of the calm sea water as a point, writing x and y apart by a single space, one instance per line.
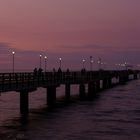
113 115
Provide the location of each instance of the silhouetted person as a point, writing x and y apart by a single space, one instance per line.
16 77
68 71
40 72
59 70
83 71
54 70
35 72
59 74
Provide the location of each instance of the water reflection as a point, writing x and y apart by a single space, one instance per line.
115 114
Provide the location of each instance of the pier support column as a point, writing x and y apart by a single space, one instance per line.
126 78
105 83
122 80
67 92
51 96
135 76
24 102
109 82
82 91
91 90
98 86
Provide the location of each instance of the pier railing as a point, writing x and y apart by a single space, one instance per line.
20 81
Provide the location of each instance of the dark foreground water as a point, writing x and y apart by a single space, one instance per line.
113 115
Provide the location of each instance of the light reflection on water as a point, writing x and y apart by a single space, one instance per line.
114 115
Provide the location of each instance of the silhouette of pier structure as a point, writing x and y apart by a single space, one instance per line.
24 83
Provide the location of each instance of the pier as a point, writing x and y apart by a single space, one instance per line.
24 83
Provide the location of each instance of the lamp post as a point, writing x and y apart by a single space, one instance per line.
125 64
45 58
40 59
99 63
83 63
60 62
91 62
13 54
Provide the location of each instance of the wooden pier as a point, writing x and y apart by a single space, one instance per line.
24 83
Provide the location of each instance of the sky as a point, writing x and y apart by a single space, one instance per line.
70 29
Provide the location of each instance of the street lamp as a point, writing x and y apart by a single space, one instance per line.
91 62
13 53
125 64
103 65
83 63
60 62
45 58
40 58
99 63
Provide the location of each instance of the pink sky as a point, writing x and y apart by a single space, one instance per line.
101 28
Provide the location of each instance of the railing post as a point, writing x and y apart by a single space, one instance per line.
22 78
3 81
16 79
10 80
29 79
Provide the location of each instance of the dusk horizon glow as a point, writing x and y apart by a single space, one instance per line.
73 30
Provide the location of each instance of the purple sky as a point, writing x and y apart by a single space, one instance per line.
71 29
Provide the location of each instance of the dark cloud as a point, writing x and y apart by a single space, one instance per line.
4 48
85 47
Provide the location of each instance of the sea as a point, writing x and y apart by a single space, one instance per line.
113 115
